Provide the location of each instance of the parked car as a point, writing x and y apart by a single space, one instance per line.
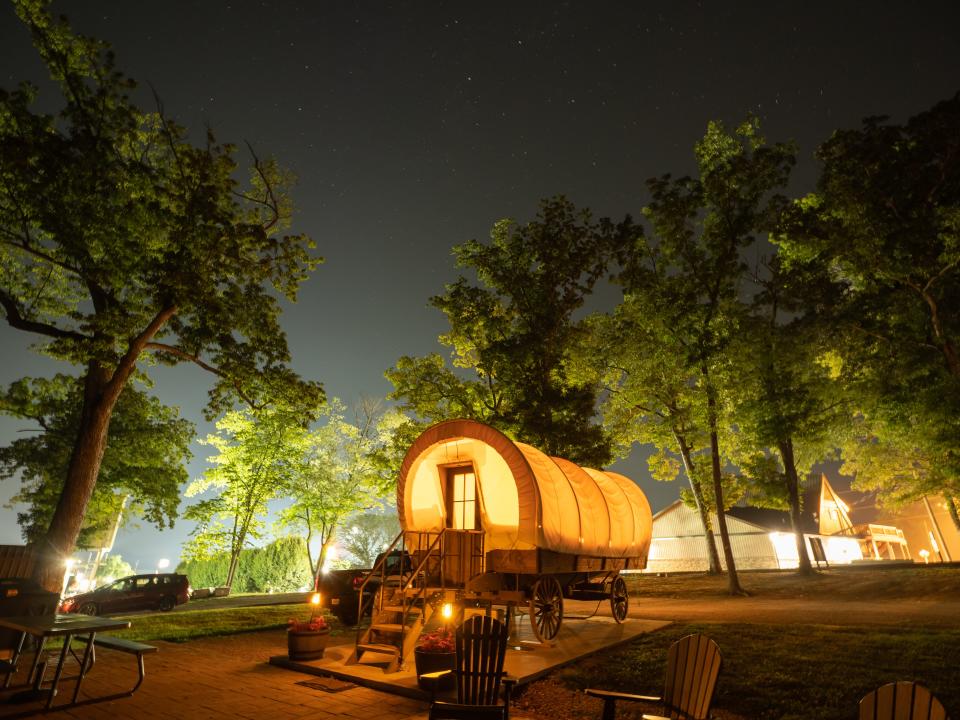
137 592
340 589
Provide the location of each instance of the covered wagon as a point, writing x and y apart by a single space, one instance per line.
490 521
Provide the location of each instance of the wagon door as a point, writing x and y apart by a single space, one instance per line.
463 541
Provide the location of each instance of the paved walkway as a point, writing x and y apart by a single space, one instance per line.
228 677
225 677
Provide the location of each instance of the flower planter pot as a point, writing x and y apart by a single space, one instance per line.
428 662
307 644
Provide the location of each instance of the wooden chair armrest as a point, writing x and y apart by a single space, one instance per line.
622 696
436 675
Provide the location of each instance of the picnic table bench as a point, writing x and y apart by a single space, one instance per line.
81 628
123 645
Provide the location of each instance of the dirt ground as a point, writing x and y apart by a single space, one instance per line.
921 596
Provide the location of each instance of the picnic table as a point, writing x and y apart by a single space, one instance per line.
82 628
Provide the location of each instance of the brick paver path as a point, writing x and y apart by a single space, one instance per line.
225 677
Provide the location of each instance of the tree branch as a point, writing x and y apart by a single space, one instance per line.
184 355
16 320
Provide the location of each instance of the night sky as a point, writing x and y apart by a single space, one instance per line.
412 127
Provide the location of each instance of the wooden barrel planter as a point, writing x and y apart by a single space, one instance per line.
307 644
428 661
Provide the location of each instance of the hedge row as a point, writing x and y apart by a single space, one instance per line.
281 566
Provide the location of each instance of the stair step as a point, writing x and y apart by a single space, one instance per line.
387 627
383 649
400 608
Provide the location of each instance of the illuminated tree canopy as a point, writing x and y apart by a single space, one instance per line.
122 244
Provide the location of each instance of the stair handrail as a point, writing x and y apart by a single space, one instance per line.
407 581
426 557
421 592
381 565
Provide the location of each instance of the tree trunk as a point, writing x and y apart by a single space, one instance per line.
713 556
793 490
101 388
952 508
81 479
734 581
313 568
232 571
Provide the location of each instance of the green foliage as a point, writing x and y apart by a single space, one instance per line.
110 216
884 225
123 243
666 353
258 455
343 467
368 534
514 331
205 572
280 566
113 566
147 447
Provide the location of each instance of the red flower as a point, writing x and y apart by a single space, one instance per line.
438 641
314 624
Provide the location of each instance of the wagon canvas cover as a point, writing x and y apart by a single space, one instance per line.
526 499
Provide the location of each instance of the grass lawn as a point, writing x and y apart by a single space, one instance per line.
769 671
927 582
189 624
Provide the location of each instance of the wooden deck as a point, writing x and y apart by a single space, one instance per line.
527 660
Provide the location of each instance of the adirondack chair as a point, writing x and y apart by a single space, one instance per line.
693 663
901 701
481 646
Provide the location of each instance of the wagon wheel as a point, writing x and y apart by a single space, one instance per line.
619 599
546 608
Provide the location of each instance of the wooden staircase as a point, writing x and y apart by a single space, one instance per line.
395 628
405 604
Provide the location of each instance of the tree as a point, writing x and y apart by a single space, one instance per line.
123 244
885 221
649 396
886 458
367 535
258 455
112 567
694 266
143 462
279 566
788 407
338 474
514 330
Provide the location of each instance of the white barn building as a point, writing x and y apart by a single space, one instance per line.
763 539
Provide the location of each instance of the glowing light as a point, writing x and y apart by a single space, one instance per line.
925 554
446 612
332 554
163 564
315 599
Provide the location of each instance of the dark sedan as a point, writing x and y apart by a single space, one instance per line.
137 592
